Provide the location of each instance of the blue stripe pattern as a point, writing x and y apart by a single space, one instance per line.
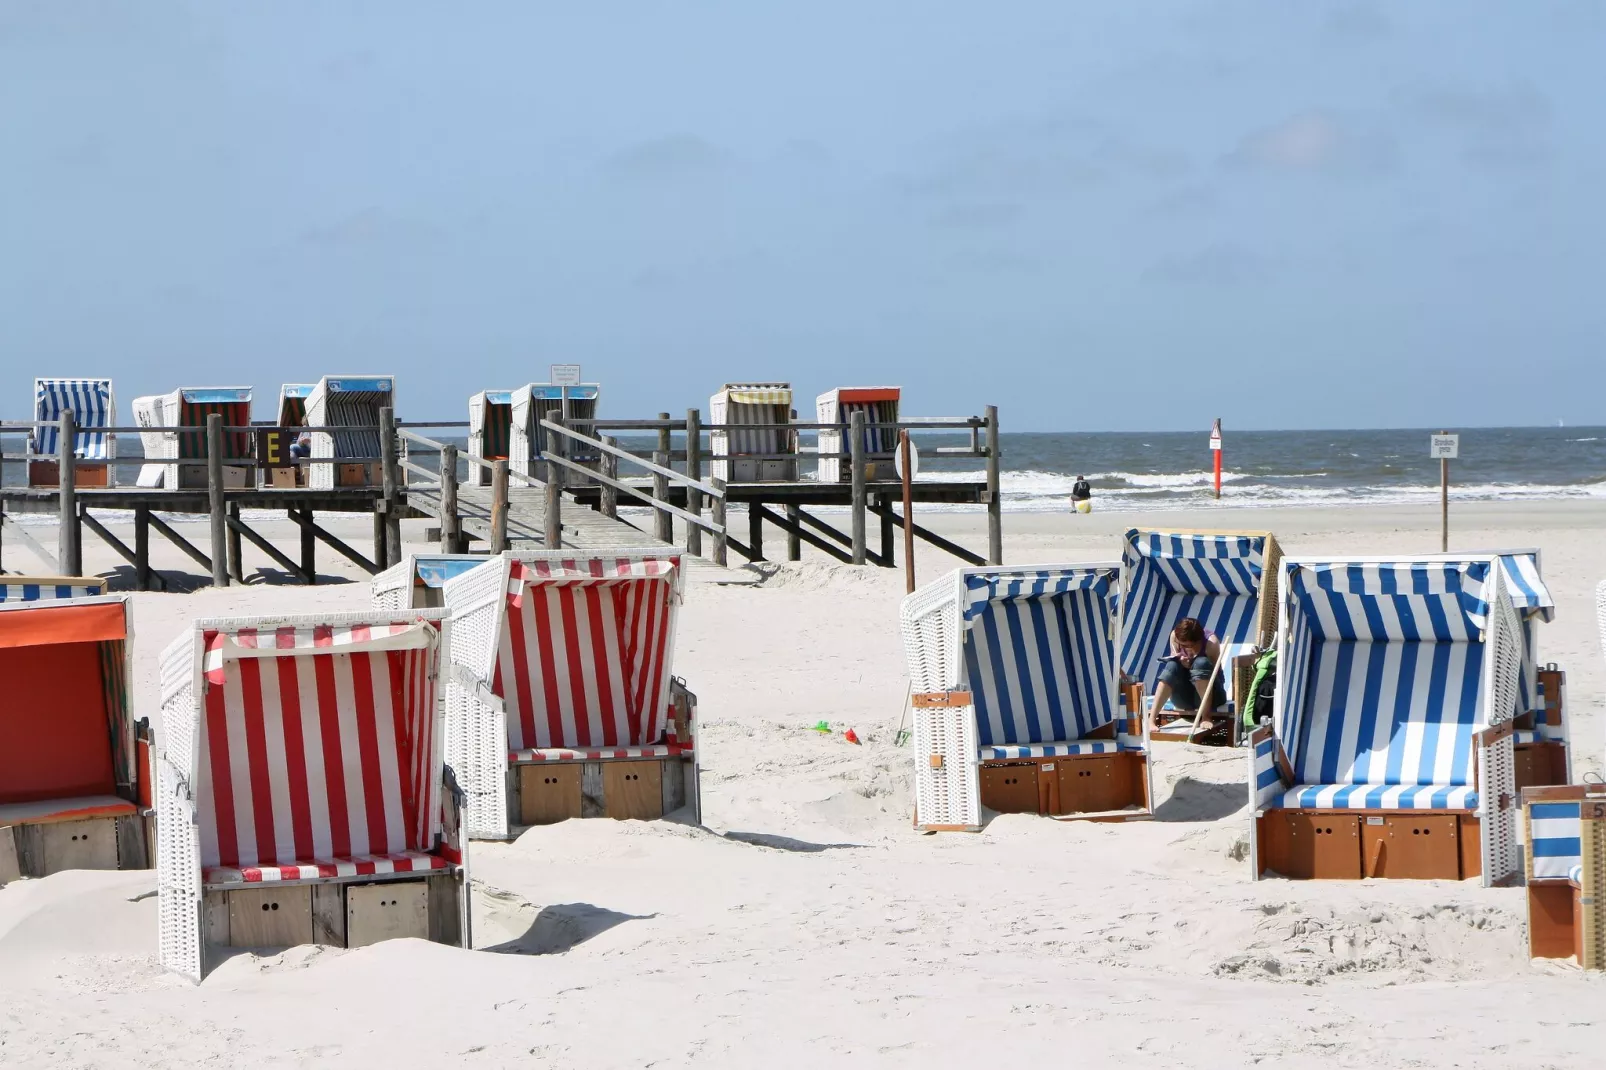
36 592
1212 578
1556 841
1039 656
90 401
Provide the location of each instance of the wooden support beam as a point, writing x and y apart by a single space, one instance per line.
608 499
796 530
995 495
180 541
142 548
451 524
238 527
663 524
390 481
52 563
236 564
69 538
307 524
856 458
794 543
755 533
887 535
499 507
309 547
932 537
815 522
111 540
694 469
216 500
720 537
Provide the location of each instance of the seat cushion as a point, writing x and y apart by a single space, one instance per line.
77 808
1048 750
325 868
1524 735
1377 797
596 754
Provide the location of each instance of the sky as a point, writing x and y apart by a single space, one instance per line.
1097 216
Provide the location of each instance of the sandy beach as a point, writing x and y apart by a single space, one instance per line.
807 924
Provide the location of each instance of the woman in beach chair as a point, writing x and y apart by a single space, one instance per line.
1390 749
302 797
1016 704
73 787
561 698
1223 581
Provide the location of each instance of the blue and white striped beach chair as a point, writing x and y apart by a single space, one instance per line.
1016 703
94 409
1390 750
1566 873
17 588
1543 755
1225 580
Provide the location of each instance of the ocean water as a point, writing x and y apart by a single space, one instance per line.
1161 470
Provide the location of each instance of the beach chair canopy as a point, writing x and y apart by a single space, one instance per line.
348 407
418 580
15 588
293 404
312 745
68 740
1534 605
879 405
490 423
1383 681
535 402
1214 578
92 405
753 403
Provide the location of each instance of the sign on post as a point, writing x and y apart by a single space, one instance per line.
1215 453
565 375
1444 447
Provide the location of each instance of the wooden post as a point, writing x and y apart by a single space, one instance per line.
499 507
1444 502
553 530
450 525
69 537
794 544
142 548
236 565
717 509
379 535
755 531
390 484
995 498
904 451
214 490
663 524
856 457
694 469
309 547
609 499
887 537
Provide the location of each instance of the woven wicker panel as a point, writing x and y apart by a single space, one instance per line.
948 794
178 874
1592 885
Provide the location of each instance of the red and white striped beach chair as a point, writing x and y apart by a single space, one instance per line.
71 778
301 794
560 699
418 581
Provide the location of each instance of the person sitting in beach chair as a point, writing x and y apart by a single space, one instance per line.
1189 669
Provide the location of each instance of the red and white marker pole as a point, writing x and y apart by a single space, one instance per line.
1215 448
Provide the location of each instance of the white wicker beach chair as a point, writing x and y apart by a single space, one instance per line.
94 409
561 699
418 581
1016 697
301 790
1225 580
764 453
73 787
490 431
541 401
343 415
1390 752
190 407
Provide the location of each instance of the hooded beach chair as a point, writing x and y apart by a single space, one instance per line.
880 406
761 454
1540 740
1565 829
419 580
73 790
1016 703
1224 580
94 409
301 795
541 401
1390 749
490 432
188 408
343 416
561 700
279 469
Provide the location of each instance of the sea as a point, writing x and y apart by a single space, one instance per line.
1131 471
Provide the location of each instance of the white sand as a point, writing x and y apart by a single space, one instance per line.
809 925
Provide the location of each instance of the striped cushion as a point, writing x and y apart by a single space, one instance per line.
1377 797
315 756
1050 750
326 868
567 754
1557 846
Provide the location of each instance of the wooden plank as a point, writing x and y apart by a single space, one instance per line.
307 524
674 774
132 849
633 790
888 513
591 791
10 868
329 914
180 541
89 844
239 527
270 917
548 793
445 917
391 910
795 531
215 919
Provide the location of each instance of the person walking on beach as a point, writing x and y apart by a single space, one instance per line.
1194 652
1081 495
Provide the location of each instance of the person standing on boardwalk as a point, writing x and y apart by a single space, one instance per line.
1081 495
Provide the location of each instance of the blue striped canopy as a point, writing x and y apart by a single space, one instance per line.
1416 600
1038 654
1525 587
89 400
18 589
1214 579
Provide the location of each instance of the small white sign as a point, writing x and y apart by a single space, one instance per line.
1444 447
565 375
914 461
1215 443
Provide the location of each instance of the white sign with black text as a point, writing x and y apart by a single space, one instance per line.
1444 447
565 375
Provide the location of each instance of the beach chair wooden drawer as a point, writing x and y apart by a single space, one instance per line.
1306 846
90 844
85 474
389 911
1092 784
1540 764
633 790
1411 846
1011 787
269 917
548 793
